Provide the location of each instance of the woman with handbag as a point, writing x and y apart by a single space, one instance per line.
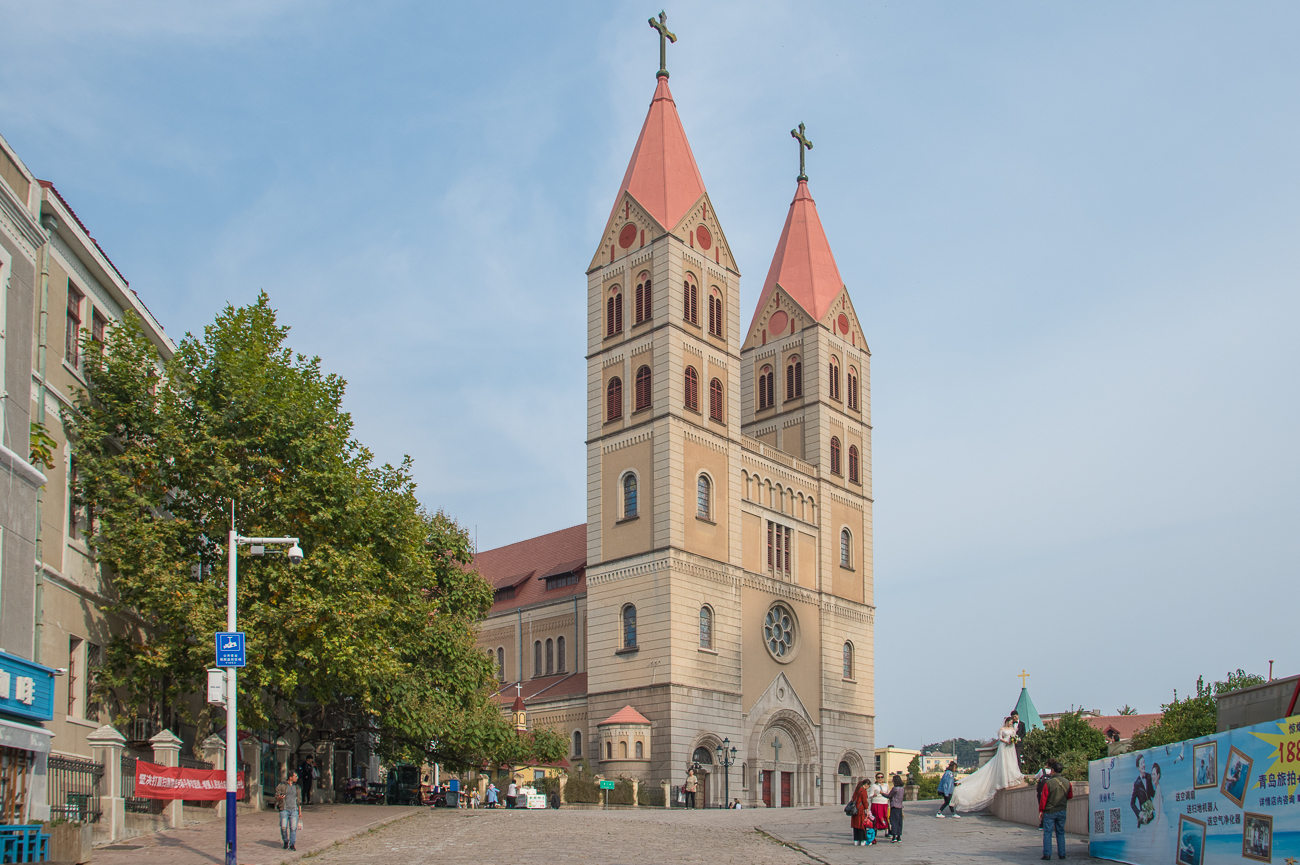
860 818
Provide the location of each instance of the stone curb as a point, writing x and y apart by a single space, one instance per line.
360 830
768 833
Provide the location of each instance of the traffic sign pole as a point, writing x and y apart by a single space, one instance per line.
232 694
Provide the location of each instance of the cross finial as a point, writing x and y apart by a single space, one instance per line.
797 135
1023 675
519 689
665 36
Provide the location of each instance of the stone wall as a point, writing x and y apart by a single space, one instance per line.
1020 805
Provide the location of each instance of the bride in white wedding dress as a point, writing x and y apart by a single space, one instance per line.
977 791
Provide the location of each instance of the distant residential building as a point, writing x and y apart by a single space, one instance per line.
894 761
935 762
1258 704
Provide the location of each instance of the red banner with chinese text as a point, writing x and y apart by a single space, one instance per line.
174 782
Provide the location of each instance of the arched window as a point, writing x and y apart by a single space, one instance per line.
848 674
716 410
537 658
629 496
793 378
692 399
703 494
846 548
629 627
643 388
715 312
642 297
853 464
703 756
559 655
844 764
706 628
609 750
835 455
501 664
622 750
614 312
853 388
833 387
550 657
690 300
765 394
614 399
640 750
577 743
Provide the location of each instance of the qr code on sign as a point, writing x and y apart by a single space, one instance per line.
1098 822
1114 820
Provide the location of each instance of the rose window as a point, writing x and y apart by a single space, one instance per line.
778 631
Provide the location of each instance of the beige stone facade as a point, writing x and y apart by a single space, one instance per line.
726 587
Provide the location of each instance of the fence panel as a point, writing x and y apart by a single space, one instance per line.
74 789
136 804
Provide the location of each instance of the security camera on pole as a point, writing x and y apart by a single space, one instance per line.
231 656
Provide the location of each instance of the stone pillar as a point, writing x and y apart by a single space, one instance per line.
251 752
668 803
325 771
636 787
564 780
167 752
106 745
214 752
282 751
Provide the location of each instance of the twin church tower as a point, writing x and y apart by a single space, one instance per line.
721 588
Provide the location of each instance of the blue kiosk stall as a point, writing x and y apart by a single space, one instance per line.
26 701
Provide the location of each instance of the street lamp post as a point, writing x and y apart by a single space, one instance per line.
726 758
294 554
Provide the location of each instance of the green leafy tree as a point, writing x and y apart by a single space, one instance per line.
1070 739
914 770
964 751
1192 717
374 631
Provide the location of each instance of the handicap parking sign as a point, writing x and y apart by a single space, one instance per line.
230 649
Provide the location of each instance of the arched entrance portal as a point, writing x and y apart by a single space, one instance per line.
702 761
783 760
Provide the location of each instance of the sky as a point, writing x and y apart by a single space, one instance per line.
1070 231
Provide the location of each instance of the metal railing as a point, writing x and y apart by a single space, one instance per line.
74 789
192 763
136 804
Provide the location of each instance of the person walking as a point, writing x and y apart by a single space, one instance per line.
896 810
864 831
286 802
1052 804
512 793
307 773
692 784
948 786
879 798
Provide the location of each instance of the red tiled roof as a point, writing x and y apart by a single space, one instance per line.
625 715
556 553
1125 725
544 689
803 263
662 175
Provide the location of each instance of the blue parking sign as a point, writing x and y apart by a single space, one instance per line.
230 649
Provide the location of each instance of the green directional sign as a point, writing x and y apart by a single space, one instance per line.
607 785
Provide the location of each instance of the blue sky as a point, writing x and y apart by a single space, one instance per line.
1070 230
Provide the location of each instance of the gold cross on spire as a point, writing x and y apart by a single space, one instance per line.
665 36
1023 675
797 135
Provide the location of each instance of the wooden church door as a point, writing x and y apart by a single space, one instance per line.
787 779
767 788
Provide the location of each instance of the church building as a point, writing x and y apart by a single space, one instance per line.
721 587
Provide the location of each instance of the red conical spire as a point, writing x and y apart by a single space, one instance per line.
662 175
803 263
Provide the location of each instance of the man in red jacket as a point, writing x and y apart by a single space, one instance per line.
1057 791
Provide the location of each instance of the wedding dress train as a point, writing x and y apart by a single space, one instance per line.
977 791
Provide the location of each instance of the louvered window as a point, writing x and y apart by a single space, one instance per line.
794 378
833 387
692 397
765 388
715 314
643 388
715 401
835 455
853 464
853 388
642 298
778 548
690 302
614 314
614 399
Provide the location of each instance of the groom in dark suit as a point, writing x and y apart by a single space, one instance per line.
1019 727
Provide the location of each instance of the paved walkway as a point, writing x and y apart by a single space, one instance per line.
259 837
797 836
